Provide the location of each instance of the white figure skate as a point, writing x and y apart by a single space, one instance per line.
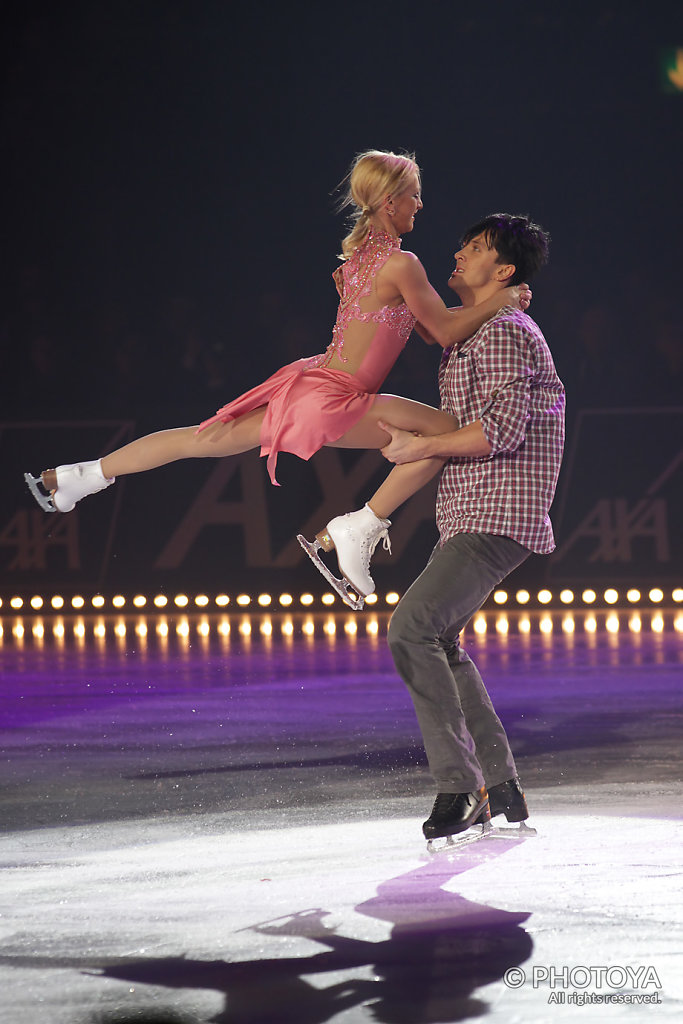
72 483
354 537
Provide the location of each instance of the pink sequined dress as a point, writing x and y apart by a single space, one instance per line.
308 404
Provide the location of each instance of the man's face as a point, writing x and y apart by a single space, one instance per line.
477 270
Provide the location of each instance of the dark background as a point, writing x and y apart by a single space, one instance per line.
168 201
167 210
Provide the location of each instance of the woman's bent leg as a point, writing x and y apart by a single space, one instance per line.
400 412
403 481
355 536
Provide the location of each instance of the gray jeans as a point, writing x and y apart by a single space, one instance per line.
464 739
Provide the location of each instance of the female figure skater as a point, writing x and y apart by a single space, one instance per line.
329 399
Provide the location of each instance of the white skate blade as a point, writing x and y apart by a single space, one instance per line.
519 831
451 844
45 501
342 587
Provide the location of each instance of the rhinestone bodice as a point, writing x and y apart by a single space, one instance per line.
355 279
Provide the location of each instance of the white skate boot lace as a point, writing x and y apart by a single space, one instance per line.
368 545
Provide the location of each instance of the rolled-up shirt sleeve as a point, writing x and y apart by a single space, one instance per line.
505 373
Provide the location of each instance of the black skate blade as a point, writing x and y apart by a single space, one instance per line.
45 501
301 923
342 587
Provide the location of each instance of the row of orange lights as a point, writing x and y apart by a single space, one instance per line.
588 596
162 601
612 623
201 601
480 625
183 629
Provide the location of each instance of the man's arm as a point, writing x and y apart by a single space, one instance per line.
504 374
468 442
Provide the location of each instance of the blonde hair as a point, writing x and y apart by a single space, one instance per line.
373 175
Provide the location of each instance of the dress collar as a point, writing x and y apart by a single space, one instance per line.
381 237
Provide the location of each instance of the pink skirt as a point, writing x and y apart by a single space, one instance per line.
306 408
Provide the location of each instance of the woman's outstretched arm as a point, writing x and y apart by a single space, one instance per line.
438 323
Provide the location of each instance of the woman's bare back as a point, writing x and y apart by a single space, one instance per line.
368 300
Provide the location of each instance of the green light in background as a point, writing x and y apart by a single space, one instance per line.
671 67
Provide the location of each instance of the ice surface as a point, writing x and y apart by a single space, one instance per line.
230 832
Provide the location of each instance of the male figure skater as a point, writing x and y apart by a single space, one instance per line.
492 512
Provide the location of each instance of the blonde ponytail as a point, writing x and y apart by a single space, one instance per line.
374 174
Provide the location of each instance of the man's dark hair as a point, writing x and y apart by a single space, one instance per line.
516 239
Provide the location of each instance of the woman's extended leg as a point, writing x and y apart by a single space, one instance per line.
68 484
216 441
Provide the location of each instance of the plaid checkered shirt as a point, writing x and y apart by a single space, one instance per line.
505 377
